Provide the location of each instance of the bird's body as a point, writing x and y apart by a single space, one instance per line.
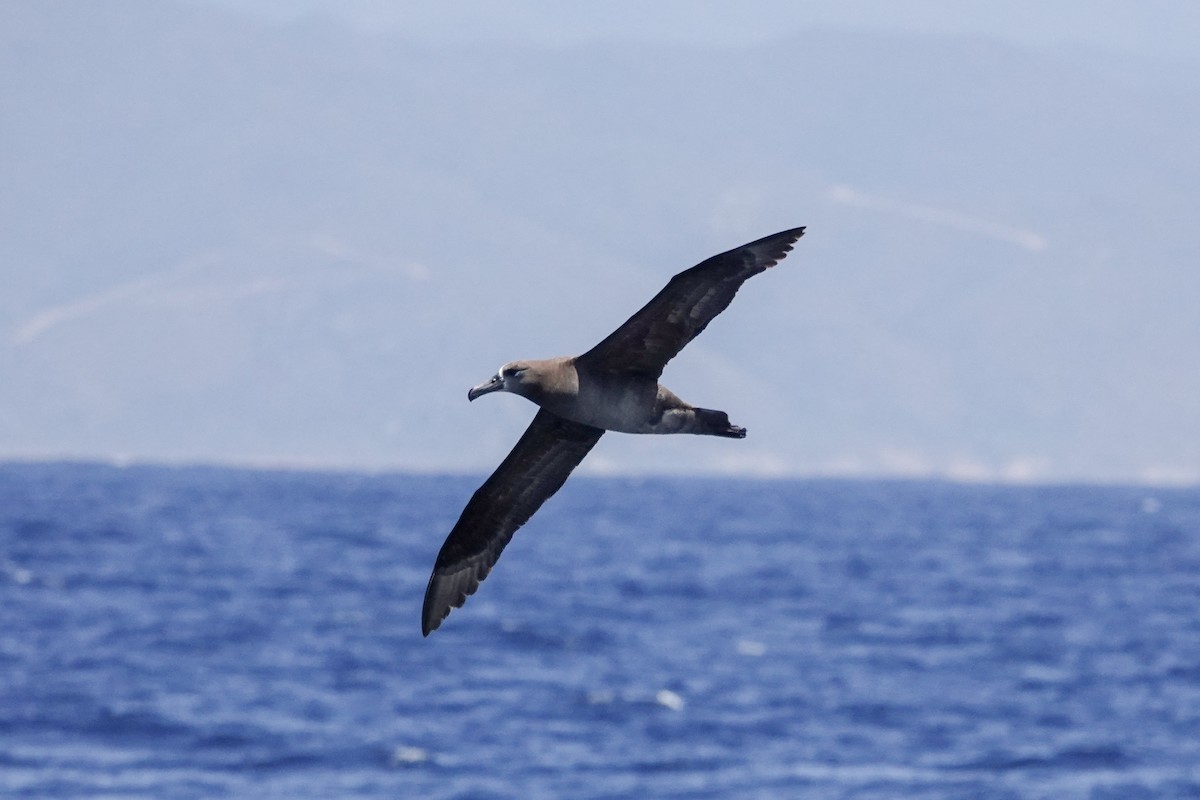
612 387
632 403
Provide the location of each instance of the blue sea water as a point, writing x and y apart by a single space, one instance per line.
213 633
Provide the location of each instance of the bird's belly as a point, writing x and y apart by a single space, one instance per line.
625 409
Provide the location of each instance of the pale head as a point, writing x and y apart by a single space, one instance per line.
509 378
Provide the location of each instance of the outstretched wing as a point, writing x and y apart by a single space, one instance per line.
536 468
677 314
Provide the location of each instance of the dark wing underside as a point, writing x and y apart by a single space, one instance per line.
677 314
536 468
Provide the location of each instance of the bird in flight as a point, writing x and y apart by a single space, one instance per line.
612 387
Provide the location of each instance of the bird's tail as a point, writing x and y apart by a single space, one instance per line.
716 423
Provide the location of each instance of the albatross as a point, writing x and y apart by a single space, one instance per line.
612 387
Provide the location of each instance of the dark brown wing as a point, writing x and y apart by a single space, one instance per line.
536 468
677 314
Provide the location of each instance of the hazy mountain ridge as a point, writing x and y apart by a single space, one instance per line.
229 240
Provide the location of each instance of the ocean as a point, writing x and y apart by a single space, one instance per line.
218 633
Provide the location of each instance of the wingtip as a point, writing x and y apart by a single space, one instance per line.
430 622
448 591
770 250
429 619
794 235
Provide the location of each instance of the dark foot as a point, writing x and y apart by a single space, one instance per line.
716 423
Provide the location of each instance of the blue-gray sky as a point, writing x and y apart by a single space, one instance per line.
298 242
1167 28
